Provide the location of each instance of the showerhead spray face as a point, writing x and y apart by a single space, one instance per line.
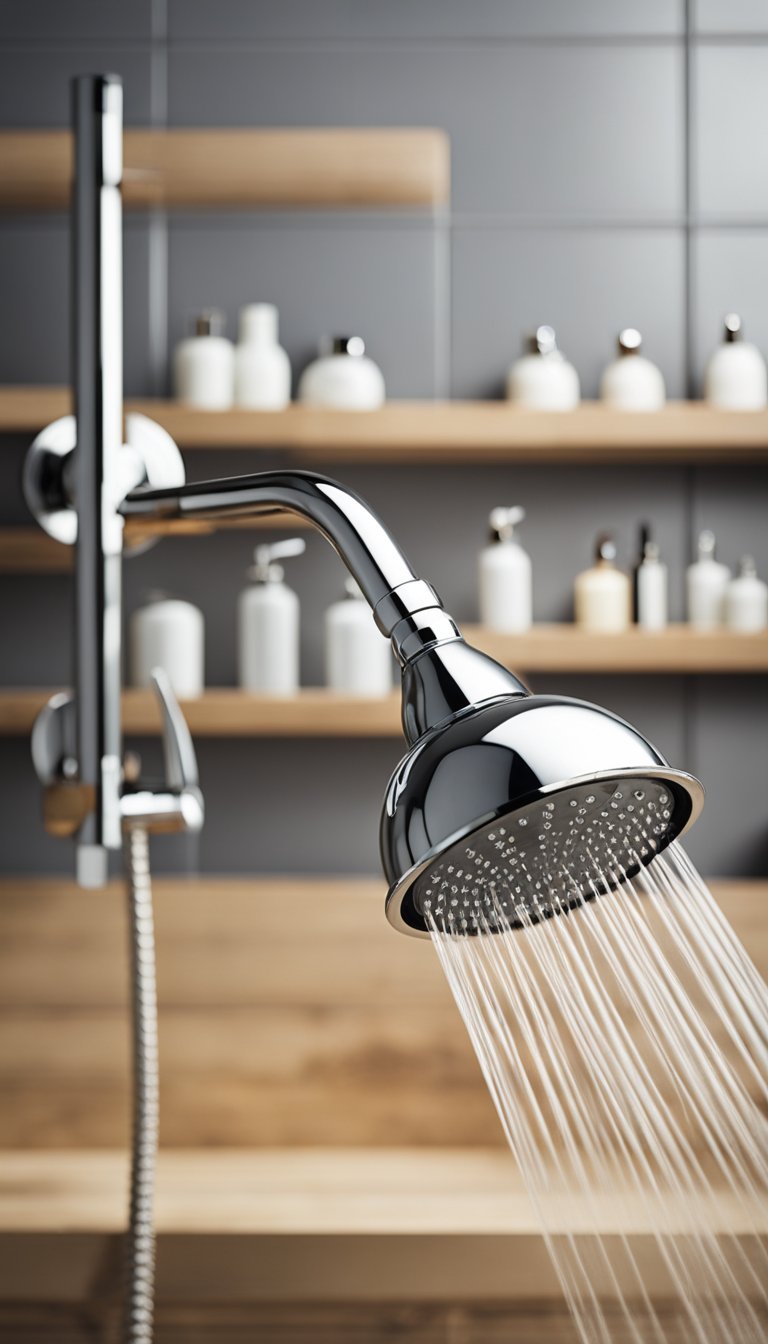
523 809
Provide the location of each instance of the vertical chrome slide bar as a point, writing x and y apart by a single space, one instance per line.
97 380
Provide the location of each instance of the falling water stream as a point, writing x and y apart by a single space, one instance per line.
625 1046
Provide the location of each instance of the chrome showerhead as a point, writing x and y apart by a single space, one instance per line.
520 809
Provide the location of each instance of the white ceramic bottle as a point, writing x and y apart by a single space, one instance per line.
168 633
505 576
268 624
735 377
262 368
631 382
603 594
706 582
358 658
746 599
343 377
204 365
543 379
652 587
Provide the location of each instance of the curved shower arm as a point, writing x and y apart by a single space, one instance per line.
442 676
366 547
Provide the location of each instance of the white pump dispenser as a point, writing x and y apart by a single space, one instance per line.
204 365
603 594
735 377
631 382
706 582
746 599
543 379
168 633
358 658
268 624
262 367
505 576
343 377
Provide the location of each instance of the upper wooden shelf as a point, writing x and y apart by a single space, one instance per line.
243 168
440 432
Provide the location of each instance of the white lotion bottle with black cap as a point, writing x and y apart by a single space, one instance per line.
168 633
343 377
735 377
268 624
603 594
358 657
706 582
505 576
746 600
543 379
262 367
204 365
631 382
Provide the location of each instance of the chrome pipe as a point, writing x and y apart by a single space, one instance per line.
98 393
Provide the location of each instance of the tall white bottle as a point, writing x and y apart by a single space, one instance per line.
603 594
358 658
652 585
262 367
505 576
543 379
736 377
268 624
204 365
170 634
706 582
631 382
746 599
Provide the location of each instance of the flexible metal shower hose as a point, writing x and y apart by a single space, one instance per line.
139 1281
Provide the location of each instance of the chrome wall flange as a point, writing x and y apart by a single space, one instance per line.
148 457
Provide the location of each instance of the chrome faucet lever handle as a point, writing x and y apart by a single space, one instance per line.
178 747
177 804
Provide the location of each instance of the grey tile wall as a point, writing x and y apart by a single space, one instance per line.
587 283
574 201
375 278
307 20
731 113
601 147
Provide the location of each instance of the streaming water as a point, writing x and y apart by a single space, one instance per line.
625 1046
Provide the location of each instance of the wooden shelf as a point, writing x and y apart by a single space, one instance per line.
242 168
316 712
678 649
228 712
27 550
439 432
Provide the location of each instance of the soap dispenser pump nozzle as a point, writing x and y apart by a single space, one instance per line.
265 568
605 549
503 521
707 545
